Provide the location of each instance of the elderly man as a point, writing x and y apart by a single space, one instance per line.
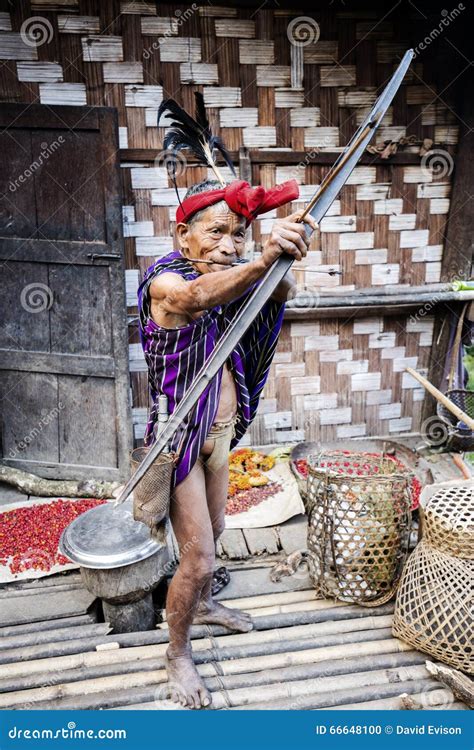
185 305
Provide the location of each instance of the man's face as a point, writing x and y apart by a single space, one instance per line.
218 235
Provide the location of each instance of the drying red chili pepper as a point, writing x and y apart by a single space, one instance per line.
361 470
29 536
245 499
302 466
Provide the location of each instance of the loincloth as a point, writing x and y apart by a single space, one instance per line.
222 434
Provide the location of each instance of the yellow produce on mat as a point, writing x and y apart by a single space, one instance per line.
245 469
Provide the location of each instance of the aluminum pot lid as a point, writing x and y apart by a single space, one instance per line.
107 536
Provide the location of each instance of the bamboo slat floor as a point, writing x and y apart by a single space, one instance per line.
304 653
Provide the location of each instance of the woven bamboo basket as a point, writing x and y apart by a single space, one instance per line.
359 522
151 496
433 610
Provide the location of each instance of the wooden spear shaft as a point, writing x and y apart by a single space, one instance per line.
459 413
337 168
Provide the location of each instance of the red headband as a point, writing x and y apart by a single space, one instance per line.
241 198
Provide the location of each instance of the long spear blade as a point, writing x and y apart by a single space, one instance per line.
318 207
358 143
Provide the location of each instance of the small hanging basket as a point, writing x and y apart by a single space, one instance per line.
460 438
359 525
151 496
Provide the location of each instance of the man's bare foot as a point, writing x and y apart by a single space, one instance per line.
217 614
184 683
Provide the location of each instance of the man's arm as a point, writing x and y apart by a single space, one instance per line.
175 295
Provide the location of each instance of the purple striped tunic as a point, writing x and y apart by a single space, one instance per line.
175 355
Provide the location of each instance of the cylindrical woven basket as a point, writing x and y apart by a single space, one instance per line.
151 496
433 611
358 526
459 438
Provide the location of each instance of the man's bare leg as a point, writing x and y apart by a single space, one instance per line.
193 530
209 610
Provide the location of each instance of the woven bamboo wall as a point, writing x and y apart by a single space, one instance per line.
330 378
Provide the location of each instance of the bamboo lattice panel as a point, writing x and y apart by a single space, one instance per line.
261 91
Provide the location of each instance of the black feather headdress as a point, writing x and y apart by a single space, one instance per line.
193 134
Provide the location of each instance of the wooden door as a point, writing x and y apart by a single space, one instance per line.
64 379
